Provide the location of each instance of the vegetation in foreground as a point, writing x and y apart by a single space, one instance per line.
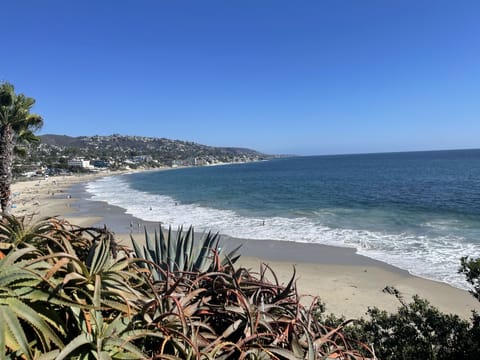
417 330
74 293
68 292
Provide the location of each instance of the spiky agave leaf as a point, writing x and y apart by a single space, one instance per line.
204 251
180 252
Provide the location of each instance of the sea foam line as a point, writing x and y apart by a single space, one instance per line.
435 258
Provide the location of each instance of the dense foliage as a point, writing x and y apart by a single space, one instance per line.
471 269
73 293
68 292
17 127
418 330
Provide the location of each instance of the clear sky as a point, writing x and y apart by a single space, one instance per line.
304 77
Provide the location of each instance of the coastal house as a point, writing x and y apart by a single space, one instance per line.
200 162
80 163
141 158
100 163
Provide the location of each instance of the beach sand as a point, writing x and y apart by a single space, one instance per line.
38 197
346 282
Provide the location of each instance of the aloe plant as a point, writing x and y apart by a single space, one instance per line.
107 291
169 252
16 232
25 319
101 336
235 314
62 284
68 292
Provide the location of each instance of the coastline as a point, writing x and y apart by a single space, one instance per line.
347 282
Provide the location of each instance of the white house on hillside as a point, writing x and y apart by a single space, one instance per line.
82 163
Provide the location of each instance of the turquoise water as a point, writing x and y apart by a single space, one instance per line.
419 211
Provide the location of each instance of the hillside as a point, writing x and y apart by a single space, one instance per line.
119 151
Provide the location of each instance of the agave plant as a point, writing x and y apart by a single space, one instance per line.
178 252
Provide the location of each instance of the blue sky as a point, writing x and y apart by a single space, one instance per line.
304 77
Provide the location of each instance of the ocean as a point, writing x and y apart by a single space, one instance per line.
419 211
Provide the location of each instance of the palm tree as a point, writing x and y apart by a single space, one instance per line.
17 126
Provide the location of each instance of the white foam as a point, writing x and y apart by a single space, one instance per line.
431 257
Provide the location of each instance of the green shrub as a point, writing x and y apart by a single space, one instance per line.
417 330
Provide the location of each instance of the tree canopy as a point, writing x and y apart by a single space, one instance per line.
17 127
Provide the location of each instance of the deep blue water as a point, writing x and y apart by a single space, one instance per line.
419 210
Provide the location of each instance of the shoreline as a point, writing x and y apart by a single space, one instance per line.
347 282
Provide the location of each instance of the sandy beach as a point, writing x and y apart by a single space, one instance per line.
42 197
348 283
